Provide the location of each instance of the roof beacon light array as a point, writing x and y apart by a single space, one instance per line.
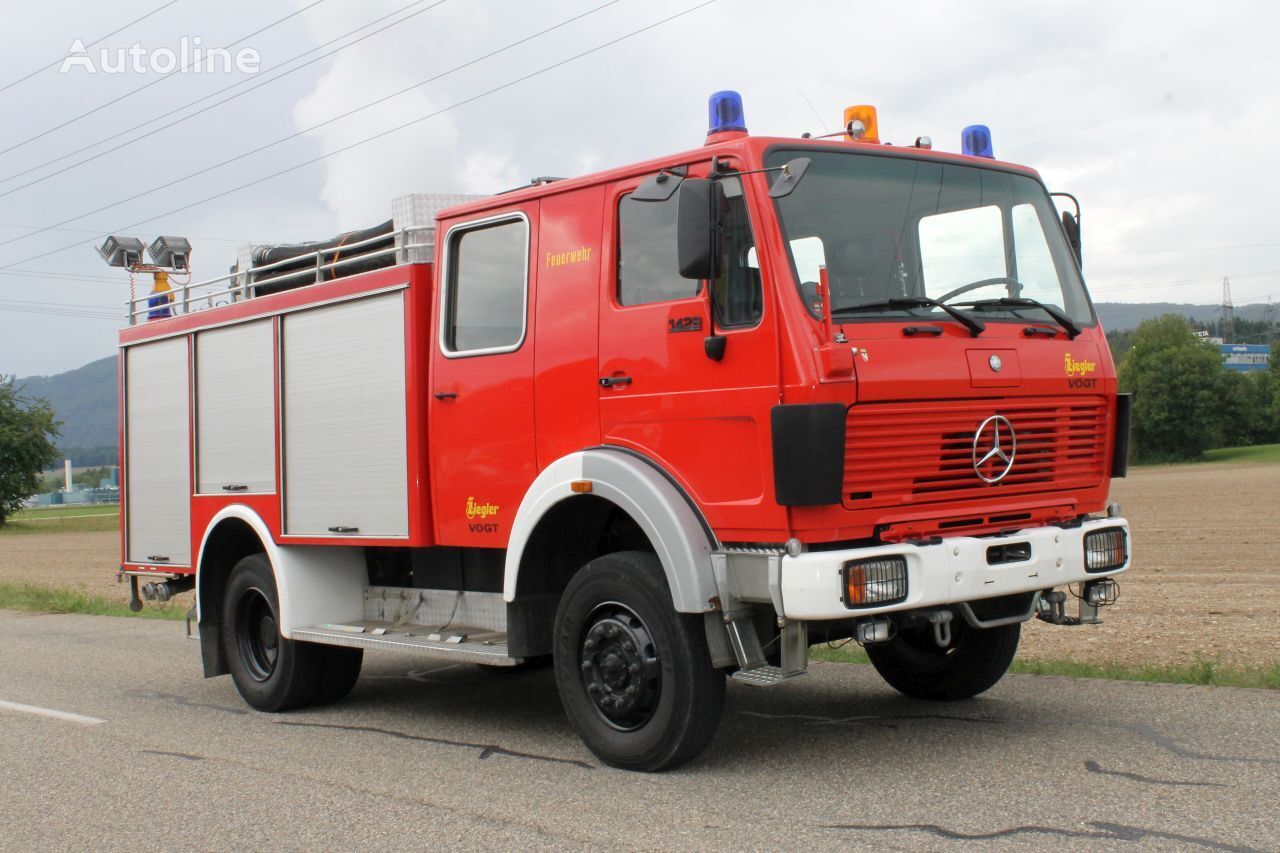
725 114
975 141
860 124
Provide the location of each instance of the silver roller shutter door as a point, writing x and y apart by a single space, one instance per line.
157 424
235 409
344 419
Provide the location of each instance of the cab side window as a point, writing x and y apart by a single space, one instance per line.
647 266
648 270
485 310
737 291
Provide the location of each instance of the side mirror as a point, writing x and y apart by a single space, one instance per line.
659 187
696 228
1071 225
789 179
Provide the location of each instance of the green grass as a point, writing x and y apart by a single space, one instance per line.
1257 453
63 511
63 519
41 599
1212 673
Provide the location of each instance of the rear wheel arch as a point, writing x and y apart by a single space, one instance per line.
230 537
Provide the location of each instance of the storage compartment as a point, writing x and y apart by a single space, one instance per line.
235 409
344 437
157 467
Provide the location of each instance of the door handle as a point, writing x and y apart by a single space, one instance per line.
446 395
610 381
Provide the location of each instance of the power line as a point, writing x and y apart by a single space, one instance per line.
47 304
96 41
388 132
97 232
60 312
328 121
259 85
159 79
1184 249
57 276
1187 281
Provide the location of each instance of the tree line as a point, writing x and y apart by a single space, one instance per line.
1185 401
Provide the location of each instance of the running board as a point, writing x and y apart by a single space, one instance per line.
765 676
469 645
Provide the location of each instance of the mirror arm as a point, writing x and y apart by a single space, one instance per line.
824 293
714 345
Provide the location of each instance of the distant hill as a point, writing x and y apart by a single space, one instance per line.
1117 316
85 401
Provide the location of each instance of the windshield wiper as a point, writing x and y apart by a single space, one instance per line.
974 325
1073 331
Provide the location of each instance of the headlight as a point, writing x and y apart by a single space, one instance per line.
871 583
1105 550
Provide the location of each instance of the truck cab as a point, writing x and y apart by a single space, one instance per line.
662 425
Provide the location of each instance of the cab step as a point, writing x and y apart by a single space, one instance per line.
458 643
765 676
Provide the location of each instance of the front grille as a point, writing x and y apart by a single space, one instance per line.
914 453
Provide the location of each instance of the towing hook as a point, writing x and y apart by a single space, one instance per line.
941 621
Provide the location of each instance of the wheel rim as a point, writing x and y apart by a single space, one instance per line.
257 637
621 672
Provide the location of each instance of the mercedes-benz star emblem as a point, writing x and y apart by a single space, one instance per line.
994 446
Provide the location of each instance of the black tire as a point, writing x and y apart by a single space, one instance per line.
634 675
340 669
271 673
977 658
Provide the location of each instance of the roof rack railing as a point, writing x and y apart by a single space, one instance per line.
239 284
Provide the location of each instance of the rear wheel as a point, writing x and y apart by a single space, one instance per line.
340 668
913 664
271 673
634 675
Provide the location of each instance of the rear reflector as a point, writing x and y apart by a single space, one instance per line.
876 582
1105 550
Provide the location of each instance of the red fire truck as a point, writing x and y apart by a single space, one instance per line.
660 426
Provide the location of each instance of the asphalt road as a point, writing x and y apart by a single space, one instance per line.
426 755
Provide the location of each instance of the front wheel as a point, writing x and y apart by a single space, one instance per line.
634 675
914 665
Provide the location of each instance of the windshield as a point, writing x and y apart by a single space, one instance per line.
891 227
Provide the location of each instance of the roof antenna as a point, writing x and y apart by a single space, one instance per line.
816 114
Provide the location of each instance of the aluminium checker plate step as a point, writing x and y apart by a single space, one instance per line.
764 676
457 643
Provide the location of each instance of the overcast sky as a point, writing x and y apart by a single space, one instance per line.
1162 117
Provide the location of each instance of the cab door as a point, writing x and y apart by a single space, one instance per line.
482 421
705 422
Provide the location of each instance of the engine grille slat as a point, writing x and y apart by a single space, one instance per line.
895 455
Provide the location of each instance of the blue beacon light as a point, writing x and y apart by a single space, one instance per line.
975 141
725 110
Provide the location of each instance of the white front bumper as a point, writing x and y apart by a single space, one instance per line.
953 571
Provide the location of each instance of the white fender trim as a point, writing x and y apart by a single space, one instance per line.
315 584
644 493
